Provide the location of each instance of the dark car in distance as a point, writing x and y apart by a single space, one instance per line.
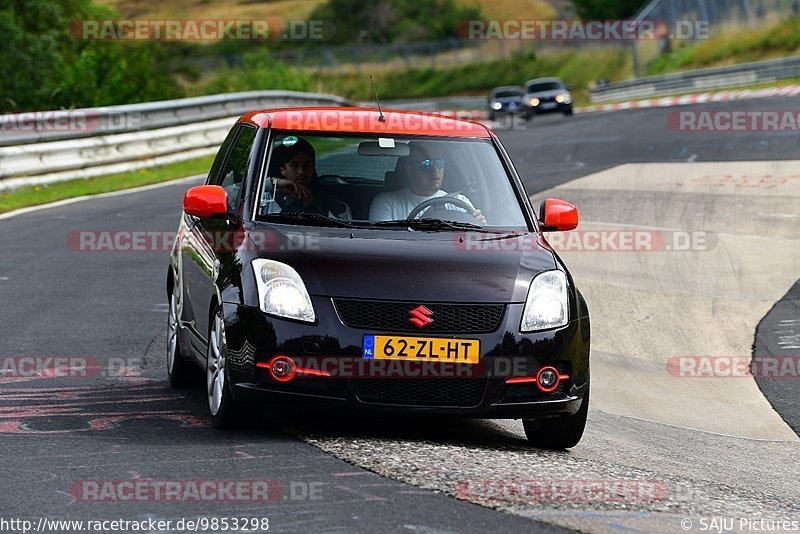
351 260
546 95
507 99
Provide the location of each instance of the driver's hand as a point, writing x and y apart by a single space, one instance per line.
478 215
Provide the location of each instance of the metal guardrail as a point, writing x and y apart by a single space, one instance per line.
699 80
150 115
167 131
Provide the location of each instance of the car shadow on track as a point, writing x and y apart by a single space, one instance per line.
430 429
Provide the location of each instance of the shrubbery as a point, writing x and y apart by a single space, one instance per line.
393 21
259 71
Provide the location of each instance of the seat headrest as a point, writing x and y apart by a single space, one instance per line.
396 179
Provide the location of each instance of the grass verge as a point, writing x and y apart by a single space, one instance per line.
739 45
24 197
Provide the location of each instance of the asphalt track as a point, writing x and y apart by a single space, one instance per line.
58 431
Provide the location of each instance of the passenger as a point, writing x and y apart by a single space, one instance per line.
425 181
296 190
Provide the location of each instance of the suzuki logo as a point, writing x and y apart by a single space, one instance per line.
420 317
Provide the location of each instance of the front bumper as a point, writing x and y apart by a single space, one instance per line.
375 385
548 107
509 108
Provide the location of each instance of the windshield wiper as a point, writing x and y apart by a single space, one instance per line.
299 217
433 224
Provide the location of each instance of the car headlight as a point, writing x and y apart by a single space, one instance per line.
496 105
281 291
547 305
534 101
563 99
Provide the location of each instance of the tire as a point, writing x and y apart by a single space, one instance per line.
181 372
568 112
563 432
225 411
492 115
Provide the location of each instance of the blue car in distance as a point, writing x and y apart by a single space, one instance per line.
507 99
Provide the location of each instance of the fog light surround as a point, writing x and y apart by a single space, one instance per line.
282 369
548 379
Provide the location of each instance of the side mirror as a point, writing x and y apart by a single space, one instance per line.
206 201
557 215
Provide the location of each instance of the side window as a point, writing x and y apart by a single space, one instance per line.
213 174
235 168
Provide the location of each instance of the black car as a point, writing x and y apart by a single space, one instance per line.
308 271
546 95
507 99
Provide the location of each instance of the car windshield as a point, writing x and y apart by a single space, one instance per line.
544 86
507 94
372 181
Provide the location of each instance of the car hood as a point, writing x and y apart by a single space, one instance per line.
507 99
406 265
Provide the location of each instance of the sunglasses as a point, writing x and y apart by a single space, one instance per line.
428 164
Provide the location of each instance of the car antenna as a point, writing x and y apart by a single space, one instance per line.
381 118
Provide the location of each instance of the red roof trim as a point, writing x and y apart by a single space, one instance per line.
365 120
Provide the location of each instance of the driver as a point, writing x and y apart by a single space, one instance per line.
426 175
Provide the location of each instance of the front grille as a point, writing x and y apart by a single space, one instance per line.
439 392
447 318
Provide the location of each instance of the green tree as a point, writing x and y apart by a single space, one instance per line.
45 65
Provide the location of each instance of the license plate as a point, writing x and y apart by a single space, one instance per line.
422 349
548 105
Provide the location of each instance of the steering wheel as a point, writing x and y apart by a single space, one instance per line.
440 200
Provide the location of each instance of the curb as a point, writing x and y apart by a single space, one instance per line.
699 98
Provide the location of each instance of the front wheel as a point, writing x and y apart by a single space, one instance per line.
180 371
225 411
562 432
